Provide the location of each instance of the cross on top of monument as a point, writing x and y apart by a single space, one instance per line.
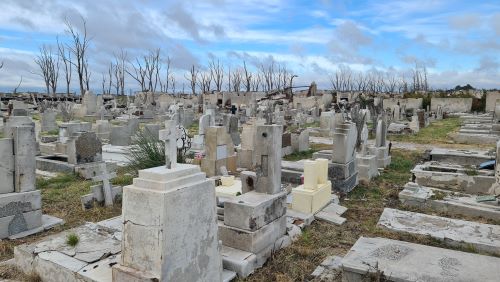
106 187
169 136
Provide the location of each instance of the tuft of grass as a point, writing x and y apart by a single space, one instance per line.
122 180
438 195
58 182
50 132
471 171
148 151
72 239
295 156
1 135
436 132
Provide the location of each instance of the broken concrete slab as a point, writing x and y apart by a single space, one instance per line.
454 232
447 201
402 261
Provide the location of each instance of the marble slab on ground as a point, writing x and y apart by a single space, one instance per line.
454 232
328 269
403 261
332 214
446 201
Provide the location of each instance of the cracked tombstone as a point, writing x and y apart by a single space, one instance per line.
169 136
106 187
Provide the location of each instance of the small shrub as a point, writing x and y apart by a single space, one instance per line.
148 151
72 239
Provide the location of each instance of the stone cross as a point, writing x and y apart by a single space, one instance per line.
169 136
106 187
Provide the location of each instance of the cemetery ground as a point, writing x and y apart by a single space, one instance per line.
61 198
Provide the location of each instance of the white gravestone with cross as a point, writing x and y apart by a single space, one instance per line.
106 187
169 136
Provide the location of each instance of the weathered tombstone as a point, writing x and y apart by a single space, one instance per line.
169 136
316 191
255 221
219 151
414 124
20 202
367 163
421 118
342 170
85 147
381 150
48 121
165 236
495 188
267 158
106 187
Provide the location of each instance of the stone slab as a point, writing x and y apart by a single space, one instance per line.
402 261
330 217
481 237
253 210
461 204
252 241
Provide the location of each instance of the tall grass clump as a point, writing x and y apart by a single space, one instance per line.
146 152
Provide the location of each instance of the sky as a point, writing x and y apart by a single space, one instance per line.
457 41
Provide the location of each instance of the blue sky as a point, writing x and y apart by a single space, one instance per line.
458 41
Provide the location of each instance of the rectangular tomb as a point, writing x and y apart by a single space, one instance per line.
402 261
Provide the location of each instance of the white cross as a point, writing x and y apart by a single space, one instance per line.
169 136
106 187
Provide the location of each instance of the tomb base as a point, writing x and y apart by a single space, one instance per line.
382 153
311 201
252 241
252 211
345 185
367 167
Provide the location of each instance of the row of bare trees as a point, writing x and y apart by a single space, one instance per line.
376 81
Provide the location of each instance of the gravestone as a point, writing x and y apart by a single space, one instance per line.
165 236
367 163
316 191
106 187
20 202
381 150
495 187
122 135
255 221
342 170
219 151
48 121
421 118
83 148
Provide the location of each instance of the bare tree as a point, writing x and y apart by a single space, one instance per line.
172 83
164 88
65 55
256 81
49 68
217 73
147 71
247 78
268 73
18 85
205 81
391 82
192 77
236 80
79 45
119 72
